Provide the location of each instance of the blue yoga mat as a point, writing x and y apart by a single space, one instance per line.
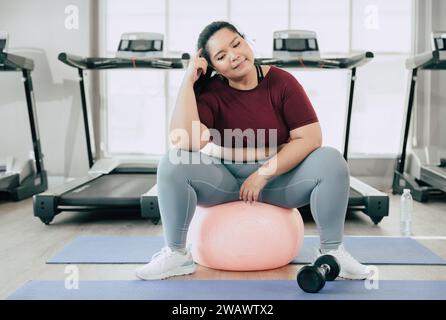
139 249
230 290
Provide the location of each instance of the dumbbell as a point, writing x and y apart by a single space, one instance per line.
312 278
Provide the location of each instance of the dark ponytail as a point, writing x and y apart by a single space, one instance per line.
203 39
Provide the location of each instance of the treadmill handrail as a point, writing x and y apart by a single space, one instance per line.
12 62
100 63
348 62
427 60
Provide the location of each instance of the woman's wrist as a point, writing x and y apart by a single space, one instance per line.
188 81
265 173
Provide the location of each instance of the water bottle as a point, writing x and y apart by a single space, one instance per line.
406 206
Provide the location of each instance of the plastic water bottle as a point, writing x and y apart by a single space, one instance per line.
406 206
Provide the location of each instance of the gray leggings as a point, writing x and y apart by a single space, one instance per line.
321 179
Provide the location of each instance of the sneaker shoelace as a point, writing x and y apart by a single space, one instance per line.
161 254
345 254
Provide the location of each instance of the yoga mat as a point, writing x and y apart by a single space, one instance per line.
139 250
230 290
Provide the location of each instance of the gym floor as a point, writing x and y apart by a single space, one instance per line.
26 243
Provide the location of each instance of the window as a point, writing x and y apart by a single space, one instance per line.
258 20
383 27
187 18
328 92
329 19
380 97
135 117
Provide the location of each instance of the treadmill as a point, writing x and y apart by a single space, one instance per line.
426 177
299 49
109 184
22 179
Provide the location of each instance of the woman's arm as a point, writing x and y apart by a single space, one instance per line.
185 119
304 140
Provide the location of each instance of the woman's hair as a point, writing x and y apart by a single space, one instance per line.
203 39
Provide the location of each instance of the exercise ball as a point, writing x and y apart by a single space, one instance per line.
239 236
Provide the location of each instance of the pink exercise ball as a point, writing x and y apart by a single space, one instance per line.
239 236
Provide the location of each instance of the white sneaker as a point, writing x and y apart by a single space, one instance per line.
350 268
165 264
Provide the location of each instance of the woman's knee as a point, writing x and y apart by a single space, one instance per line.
177 161
329 153
332 162
173 161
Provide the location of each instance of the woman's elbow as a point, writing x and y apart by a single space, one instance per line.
318 142
315 140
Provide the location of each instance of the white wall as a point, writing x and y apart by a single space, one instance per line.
37 30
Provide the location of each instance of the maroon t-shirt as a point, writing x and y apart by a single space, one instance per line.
278 102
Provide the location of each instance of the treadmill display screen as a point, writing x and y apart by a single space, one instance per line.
295 45
441 44
141 45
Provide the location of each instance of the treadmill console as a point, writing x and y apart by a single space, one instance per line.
288 44
141 45
439 43
3 41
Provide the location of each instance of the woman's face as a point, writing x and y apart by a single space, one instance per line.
230 54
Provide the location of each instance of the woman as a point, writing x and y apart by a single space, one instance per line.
289 168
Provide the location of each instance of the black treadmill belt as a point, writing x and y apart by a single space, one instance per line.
434 176
9 181
111 189
435 170
355 198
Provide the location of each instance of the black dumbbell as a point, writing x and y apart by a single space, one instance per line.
312 278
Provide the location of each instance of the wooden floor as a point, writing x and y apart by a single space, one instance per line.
26 243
